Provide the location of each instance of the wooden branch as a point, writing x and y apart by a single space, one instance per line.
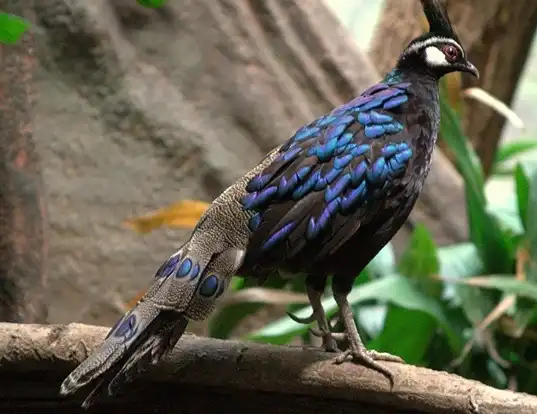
203 374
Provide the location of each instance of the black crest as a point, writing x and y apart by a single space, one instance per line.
439 23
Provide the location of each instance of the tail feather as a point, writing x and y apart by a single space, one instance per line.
186 288
145 333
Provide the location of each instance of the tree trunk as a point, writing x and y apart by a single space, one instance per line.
497 35
23 245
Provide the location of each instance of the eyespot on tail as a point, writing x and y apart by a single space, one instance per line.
145 333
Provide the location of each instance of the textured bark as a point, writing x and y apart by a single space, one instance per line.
497 35
23 245
251 377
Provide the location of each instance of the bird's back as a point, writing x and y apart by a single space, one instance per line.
335 193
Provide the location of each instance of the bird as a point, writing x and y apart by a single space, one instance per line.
321 205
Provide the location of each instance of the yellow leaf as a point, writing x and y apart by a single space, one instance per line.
132 303
183 214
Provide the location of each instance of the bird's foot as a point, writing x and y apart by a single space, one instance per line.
370 358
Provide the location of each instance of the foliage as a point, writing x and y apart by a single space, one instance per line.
151 3
11 28
469 308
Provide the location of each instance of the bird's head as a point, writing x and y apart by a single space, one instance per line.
439 51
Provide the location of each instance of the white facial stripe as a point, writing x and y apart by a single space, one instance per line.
433 41
435 57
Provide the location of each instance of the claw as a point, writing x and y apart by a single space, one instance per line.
369 359
304 321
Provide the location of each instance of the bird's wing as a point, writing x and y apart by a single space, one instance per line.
328 178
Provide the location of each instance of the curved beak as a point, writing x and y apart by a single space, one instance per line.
470 68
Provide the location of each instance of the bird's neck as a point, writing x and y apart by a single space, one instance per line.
425 97
413 75
424 86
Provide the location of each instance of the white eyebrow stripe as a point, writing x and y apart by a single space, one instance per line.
432 41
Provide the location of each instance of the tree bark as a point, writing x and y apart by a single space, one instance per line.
23 219
35 359
497 35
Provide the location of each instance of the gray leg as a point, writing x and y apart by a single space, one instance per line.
318 314
357 349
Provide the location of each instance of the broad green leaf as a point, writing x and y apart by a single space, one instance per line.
459 261
370 318
406 333
419 261
505 283
512 149
522 185
505 210
383 263
11 28
393 288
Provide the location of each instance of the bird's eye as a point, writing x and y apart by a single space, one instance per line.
451 53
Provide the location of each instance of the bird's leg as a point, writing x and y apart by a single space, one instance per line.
314 295
356 348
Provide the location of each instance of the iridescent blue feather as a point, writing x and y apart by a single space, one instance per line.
328 169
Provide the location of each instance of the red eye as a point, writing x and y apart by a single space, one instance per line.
451 53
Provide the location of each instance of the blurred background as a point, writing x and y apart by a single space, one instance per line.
142 116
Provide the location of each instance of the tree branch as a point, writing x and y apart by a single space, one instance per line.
203 372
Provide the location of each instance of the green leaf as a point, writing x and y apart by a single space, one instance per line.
505 210
522 185
420 261
153 4
493 245
406 333
507 284
383 263
11 28
393 288
459 261
531 229
510 150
